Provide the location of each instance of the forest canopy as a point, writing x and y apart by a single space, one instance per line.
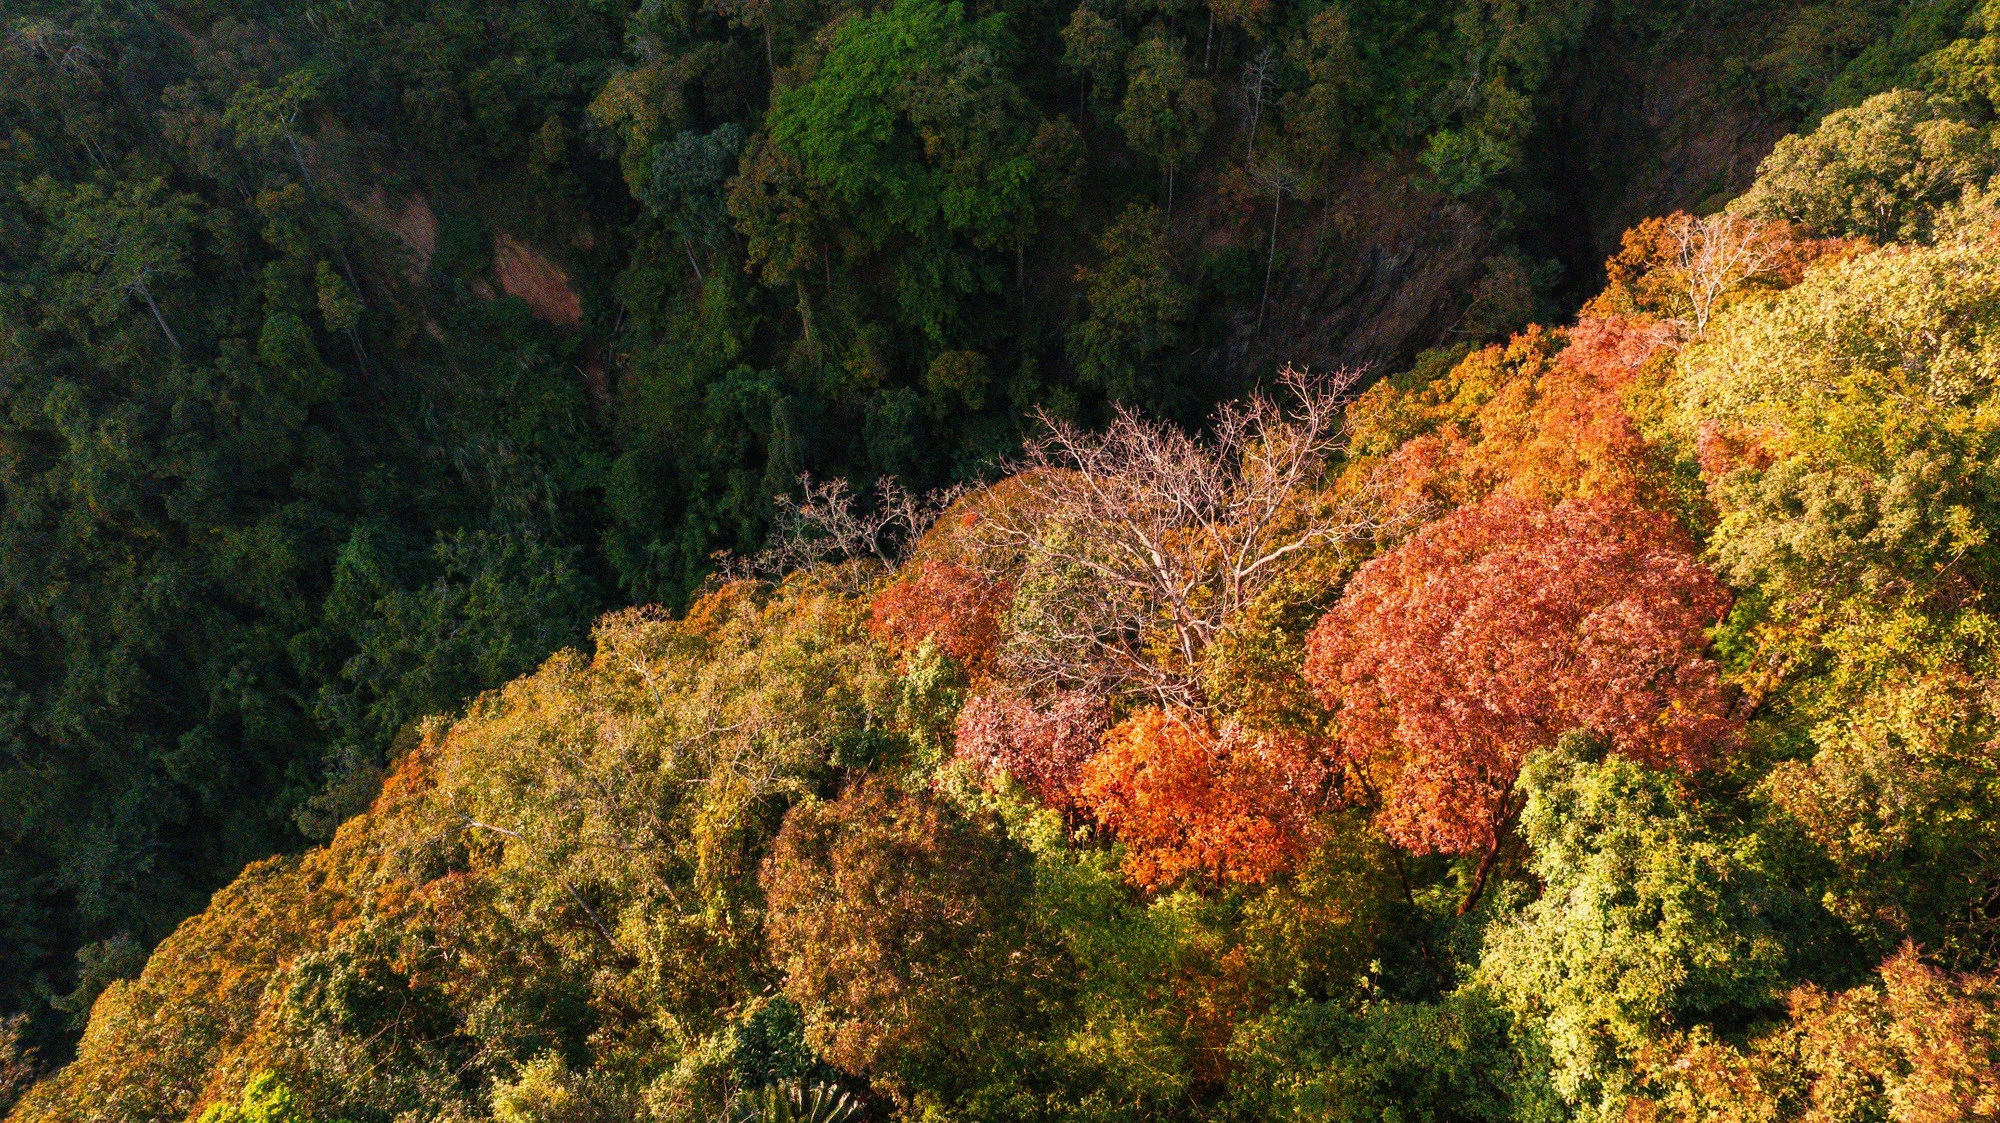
590 561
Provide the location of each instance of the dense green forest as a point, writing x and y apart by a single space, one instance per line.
1328 694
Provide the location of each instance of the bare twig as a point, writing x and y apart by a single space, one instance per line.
828 523
1260 79
1715 254
1150 543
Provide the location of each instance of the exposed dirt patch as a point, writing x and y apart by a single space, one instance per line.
411 223
532 276
1384 268
1633 137
1365 278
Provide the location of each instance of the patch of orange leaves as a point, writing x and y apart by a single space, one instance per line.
946 602
1187 800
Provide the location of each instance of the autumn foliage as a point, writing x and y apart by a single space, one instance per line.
1920 1045
1043 747
945 602
1930 1038
1500 627
1187 799
1686 269
1547 417
1140 784
892 915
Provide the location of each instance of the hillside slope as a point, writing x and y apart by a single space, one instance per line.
356 356
1597 726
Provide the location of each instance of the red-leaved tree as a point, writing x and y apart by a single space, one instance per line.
1187 799
953 605
1042 747
1500 627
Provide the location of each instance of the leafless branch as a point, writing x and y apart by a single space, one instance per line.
1717 253
1260 80
827 522
1140 546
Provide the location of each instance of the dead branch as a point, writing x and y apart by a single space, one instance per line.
1142 545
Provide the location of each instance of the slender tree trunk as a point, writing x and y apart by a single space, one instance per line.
347 267
1170 191
147 295
90 149
1256 117
1410 900
1270 257
770 55
1209 43
299 157
1485 870
360 352
805 308
692 261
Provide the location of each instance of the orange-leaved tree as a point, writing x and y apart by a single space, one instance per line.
1548 417
1500 627
950 604
1188 799
903 930
1915 1045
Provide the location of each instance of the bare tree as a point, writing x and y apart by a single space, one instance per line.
1713 255
1139 547
1260 78
1280 179
827 522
